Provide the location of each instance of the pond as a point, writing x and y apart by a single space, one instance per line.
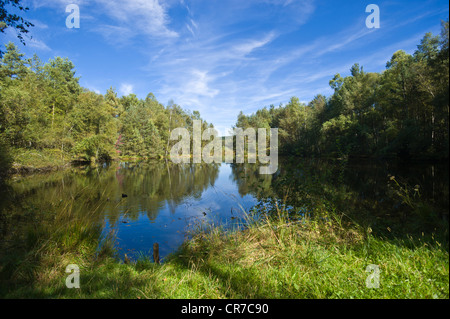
140 204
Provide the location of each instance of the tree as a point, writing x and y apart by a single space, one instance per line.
12 63
14 97
403 111
62 86
112 99
13 20
93 127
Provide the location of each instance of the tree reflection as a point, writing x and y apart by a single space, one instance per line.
361 191
80 191
151 186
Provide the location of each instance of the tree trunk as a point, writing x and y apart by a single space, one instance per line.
168 137
53 114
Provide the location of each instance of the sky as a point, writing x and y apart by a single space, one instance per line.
221 57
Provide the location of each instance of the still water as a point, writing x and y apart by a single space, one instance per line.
143 203
165 208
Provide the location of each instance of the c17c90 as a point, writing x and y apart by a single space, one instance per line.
244 308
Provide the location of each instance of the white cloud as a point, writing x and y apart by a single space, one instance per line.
139 17
199 84
190 29
142 16
126 89
38 44
247 47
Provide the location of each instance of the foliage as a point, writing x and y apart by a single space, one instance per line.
43 109
401 112
5 161
13 20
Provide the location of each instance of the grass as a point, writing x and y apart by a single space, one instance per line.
276 257
25 160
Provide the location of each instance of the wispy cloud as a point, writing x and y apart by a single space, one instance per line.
220 57
55 3
38 45
137 17
116 35
221 69
243 49
198 74
126 89
147 17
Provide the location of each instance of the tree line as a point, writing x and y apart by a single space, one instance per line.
44 110
400 112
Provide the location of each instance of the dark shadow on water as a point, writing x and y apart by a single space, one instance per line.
395 200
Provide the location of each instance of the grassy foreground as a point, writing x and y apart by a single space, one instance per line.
272 258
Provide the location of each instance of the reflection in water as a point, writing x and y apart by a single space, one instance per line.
364 191
153 202
140 203
150 187
163 201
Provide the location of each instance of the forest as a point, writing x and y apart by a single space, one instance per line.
48 119
402 112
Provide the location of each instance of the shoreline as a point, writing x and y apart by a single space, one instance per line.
23 170
274 259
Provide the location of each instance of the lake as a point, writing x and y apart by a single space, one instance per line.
139 204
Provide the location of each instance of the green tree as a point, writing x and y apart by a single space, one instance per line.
403 111
13 20
93 128
12 64
62 91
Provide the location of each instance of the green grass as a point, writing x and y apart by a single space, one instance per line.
271 258
25 160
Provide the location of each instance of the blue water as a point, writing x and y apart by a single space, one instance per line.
220 204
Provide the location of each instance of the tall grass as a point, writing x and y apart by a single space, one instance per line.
277 257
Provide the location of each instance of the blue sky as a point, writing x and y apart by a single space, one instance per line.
223 56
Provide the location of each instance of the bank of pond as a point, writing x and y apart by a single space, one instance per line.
314 229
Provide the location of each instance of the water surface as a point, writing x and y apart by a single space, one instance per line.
144 203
